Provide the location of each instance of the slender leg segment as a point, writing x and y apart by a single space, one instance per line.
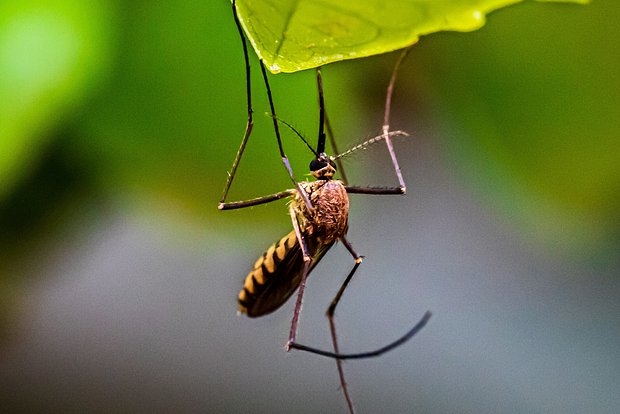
277 131
386 121
332 327
332 324
250 123
371 354
248 130
302 283
386 135
330 315
256 201
358 261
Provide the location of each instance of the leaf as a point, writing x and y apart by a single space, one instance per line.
293 35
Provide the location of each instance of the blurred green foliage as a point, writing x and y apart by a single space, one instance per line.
110 100
536 112
51 55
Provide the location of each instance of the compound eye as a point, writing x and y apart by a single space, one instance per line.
318 164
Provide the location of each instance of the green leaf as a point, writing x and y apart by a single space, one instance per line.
293 35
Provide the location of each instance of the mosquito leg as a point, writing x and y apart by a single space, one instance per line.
249 124
371 354
375 190
255 201
332 325
386 136
358 261
386 121
302 283
330 314
302 193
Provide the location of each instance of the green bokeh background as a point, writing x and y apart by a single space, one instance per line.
127 115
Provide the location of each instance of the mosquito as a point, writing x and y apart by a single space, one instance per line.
319 215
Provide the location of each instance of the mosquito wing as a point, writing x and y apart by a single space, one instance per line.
277 274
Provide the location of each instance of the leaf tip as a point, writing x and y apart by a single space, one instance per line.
274 68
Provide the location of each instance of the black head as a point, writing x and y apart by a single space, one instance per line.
322 167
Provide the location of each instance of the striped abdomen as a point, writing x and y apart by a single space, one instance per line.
277 274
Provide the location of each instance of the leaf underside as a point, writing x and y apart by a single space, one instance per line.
293 35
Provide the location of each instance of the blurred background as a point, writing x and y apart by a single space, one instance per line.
119 276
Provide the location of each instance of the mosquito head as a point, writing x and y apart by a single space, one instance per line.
322 167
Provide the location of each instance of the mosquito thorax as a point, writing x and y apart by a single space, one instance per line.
323 167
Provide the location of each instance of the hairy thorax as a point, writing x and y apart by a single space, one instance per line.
329 219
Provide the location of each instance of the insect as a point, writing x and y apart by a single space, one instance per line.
319 215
